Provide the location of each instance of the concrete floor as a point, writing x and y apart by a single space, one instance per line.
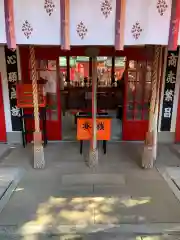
4 150
67 192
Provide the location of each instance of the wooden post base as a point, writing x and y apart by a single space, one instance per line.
148 152
148 157
39 161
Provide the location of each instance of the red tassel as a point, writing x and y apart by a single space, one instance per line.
10 29
174 26
120 24
65 35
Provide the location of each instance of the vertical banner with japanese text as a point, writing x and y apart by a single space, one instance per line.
169 89
12 77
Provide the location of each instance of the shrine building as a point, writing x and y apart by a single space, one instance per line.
142 71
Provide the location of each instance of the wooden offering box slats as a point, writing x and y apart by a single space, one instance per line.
25 96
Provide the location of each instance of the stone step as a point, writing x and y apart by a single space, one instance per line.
86 179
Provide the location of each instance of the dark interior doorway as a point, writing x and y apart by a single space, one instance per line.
76 85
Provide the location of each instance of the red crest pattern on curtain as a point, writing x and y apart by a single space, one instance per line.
174 25
9 19
120 24
65 38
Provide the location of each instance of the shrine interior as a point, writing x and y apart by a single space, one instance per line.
123 92
76 92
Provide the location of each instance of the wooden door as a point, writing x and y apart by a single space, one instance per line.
2 115
137 99
47 74
50 73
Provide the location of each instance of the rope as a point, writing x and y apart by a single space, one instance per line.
39 161
94 102
155 84
148 154
34 88
93 154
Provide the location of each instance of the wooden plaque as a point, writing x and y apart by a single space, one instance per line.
25 96
84 128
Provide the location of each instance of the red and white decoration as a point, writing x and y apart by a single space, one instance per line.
81 30
136 30
91 22
27 29
49 6
162 7
106 8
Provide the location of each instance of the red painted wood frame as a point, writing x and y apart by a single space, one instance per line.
137 98
53 112
24 93
133 129
135 126
2 115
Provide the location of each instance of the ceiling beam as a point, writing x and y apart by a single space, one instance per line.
120 24
65 32
174 25
9 20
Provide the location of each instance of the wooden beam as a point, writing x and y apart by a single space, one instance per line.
151 140
9 20
65 35
174 25
120 24
94 103
93 154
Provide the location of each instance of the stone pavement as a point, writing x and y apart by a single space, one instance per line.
169 168
9 177
5 149
117 200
